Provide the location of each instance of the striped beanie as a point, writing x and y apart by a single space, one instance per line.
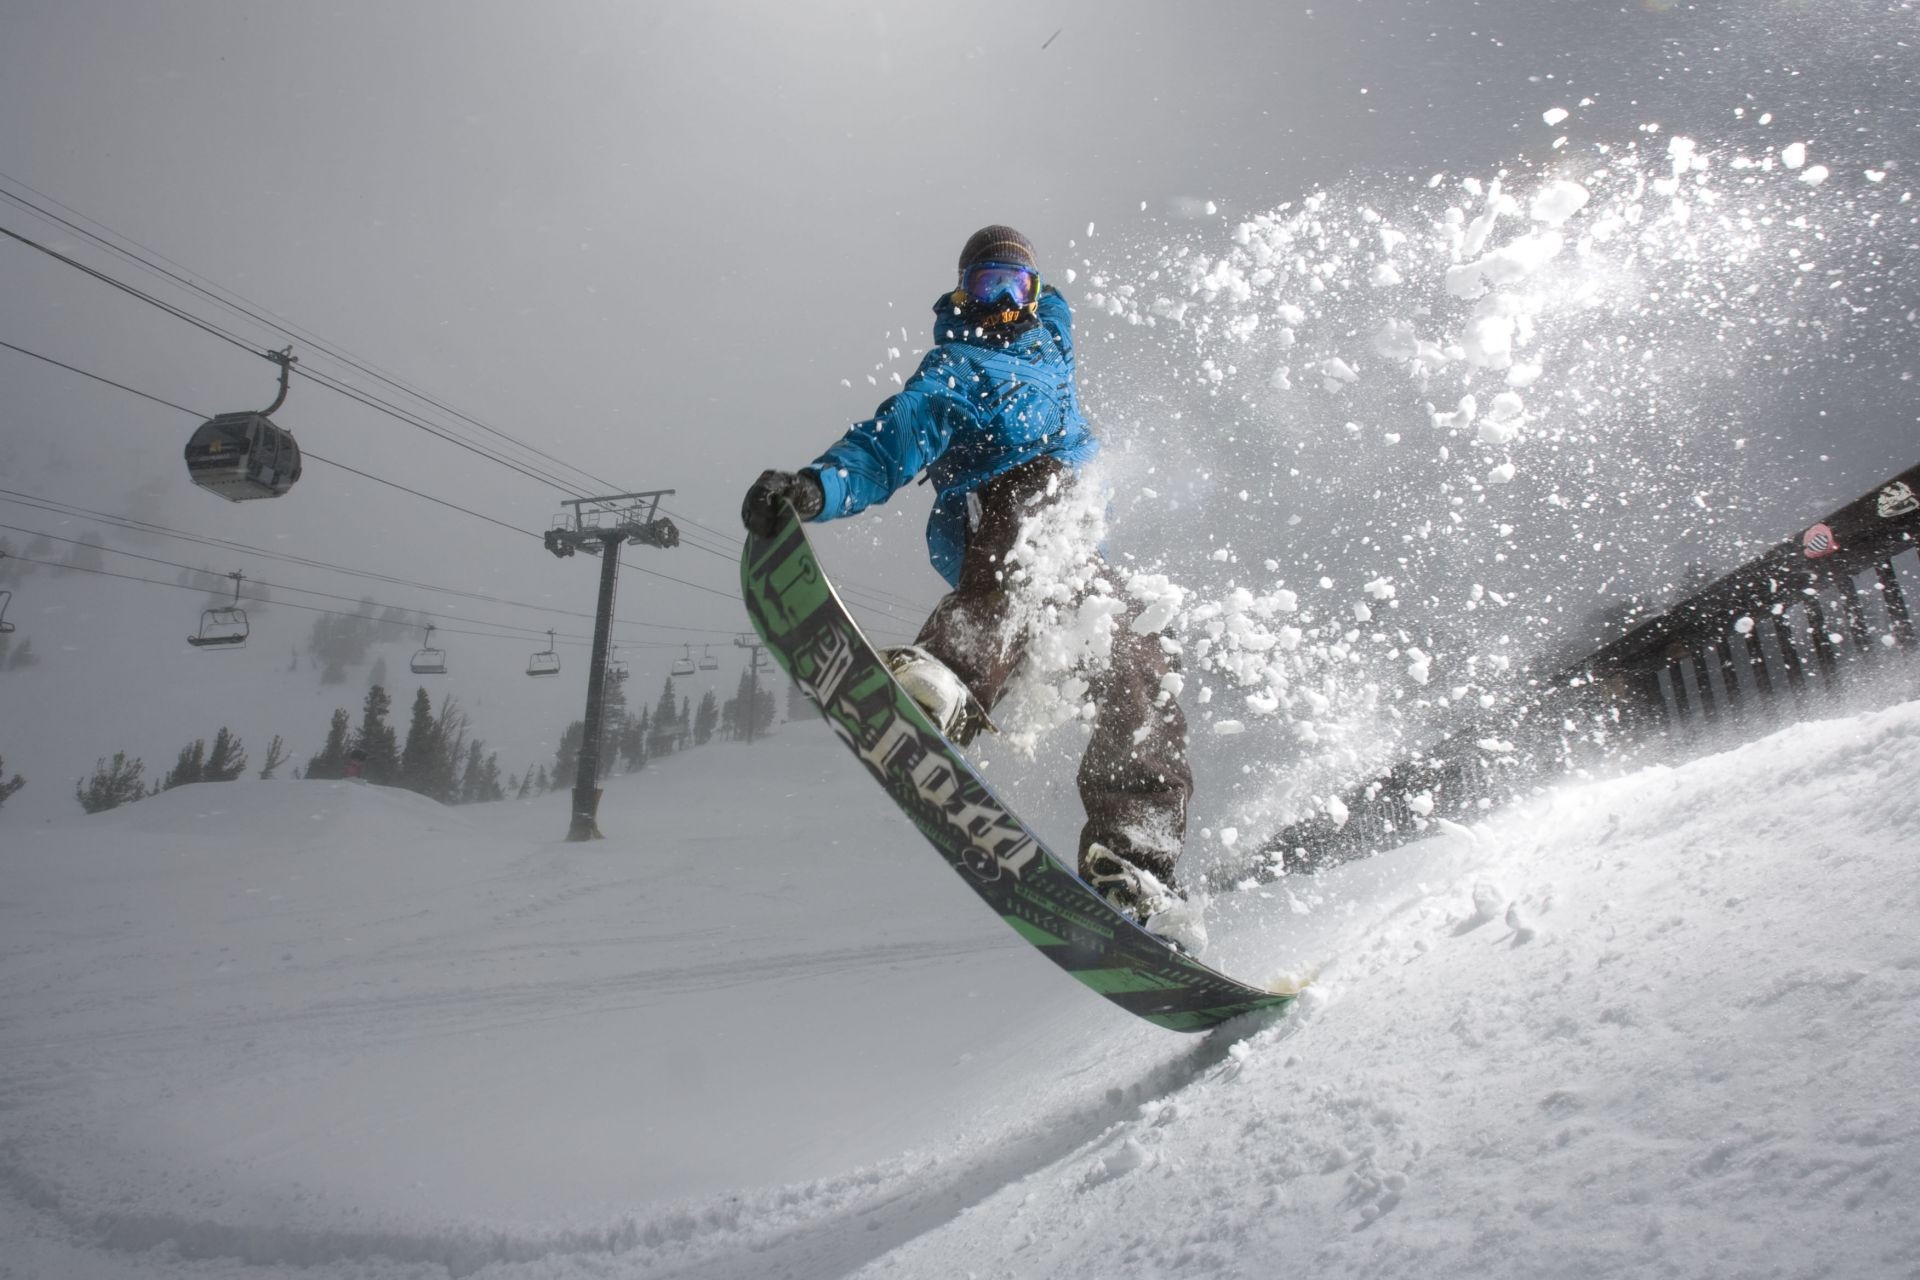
998 244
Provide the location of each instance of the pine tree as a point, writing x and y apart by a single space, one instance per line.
24 656
545 784
683 724
525 786
706 719
633 741
665 716
8 788
480 778
276 756
190 767
450 731
332 760
227 760
735 712
490 788
376 737
112 785
421 758
566 756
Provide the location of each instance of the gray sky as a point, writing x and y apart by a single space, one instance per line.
654 239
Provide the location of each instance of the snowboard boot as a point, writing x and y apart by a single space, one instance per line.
941 694
1145 898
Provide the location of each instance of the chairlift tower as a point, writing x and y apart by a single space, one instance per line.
598 526
752 710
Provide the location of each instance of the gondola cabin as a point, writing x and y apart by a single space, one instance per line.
243 455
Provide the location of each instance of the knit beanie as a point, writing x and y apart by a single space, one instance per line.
998 244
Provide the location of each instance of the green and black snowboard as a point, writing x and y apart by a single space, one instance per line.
808 629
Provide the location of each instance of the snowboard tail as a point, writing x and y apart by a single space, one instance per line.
813 637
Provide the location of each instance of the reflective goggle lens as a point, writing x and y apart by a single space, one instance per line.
996 282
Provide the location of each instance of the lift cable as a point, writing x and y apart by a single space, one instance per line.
225 298
55 507
362 397
366 398
254 312
654 573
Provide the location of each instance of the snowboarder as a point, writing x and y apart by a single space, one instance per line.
992 417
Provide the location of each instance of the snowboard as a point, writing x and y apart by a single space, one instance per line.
812 636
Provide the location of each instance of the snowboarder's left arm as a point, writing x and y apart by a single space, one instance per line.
908 431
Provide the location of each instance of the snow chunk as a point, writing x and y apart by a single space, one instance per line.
1502 474
1554 115
1160 599
1557 201
1793 155
1227 728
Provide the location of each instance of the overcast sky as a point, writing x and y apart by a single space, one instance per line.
653 240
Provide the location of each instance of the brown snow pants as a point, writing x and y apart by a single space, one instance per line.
1134 779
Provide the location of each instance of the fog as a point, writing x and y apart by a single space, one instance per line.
647 247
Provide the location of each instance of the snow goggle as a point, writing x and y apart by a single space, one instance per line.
1001 282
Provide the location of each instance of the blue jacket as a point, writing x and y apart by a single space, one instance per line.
976 407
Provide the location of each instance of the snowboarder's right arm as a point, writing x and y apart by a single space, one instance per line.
907 432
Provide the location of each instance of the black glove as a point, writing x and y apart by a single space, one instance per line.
762 508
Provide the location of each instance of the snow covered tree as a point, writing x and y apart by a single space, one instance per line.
189 767
276 756
22 657
377 738
743 704
8 788
545 784
706 719
666 717
112 785
227 760
633 740
480 778
332 760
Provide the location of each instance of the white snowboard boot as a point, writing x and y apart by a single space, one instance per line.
1153 904
929 682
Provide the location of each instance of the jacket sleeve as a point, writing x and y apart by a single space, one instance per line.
909 431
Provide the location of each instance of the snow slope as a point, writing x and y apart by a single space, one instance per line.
1662 1025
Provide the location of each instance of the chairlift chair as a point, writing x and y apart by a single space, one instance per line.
546 662
6 628
707 661
221 627
427 660
684 666
616 665
243 455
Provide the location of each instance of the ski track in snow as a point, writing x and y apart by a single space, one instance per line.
1661 1023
